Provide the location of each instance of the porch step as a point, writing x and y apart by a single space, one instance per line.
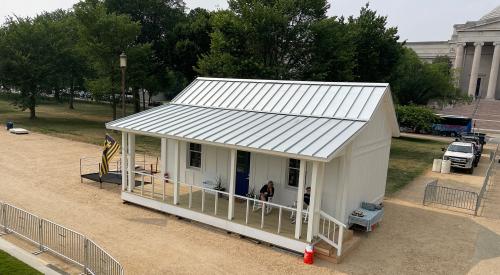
328 253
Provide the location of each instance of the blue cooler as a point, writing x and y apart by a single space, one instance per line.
9 125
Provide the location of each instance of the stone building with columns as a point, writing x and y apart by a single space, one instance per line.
474 49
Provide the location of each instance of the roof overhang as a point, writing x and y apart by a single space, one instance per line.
310 138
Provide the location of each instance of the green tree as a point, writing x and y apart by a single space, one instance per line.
416 82
192 41
262 38
332 52
376 47
27 49
103 37
158 19
68 61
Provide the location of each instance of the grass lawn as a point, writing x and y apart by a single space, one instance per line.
85 123
409 157
11 265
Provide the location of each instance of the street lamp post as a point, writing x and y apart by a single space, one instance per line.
123 66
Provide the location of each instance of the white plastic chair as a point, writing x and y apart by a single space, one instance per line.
305 215
258 205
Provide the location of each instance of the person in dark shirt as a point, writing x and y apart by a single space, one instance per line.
267 191
307 196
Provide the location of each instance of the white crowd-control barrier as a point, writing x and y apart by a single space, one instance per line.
59 240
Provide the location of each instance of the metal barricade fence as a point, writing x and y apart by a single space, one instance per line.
21 223
64 242
450 197
100 262
59 240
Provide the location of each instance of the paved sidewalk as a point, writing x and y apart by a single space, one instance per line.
26 257
491 202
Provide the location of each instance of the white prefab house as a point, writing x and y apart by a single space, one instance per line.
223 139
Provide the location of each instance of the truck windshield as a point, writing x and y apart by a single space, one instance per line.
460 148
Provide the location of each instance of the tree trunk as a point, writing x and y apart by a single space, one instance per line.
113 105
137 100
143 99
57 95
71 96
32 106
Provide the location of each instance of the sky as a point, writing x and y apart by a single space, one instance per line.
417 20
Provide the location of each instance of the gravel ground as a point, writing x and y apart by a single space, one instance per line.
41 174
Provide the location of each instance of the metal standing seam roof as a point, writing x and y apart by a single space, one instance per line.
296 119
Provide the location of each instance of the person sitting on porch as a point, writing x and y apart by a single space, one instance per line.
267 191
307 200
307 196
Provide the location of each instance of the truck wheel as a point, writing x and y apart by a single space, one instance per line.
471 170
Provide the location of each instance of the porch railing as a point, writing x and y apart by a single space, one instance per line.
331 231
208 200
91 164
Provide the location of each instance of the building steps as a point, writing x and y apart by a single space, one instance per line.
486 118
328 253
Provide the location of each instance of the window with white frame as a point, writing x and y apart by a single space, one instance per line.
293 172
194 155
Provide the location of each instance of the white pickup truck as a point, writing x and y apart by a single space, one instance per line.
462 155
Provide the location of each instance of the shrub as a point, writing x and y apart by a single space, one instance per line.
417 118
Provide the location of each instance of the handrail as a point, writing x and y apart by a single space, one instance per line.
268 203
486 180
332 218
329 237
160 177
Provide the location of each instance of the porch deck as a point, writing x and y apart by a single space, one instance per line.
278 220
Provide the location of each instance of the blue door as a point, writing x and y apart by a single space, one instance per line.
242 173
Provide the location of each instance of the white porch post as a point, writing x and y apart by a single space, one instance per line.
124 161
177 170
300 199
492 85
163 156
131 161
475 68
459 62
232 184
315 200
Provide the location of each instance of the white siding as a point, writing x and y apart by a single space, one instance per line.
331 198
370 159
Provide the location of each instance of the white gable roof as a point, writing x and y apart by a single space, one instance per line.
309 120
320 99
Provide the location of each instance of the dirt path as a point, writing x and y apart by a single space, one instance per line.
41 174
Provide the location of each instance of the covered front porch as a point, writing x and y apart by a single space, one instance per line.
289 225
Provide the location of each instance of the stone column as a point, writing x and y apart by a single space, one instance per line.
492 84
459 62
478 47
